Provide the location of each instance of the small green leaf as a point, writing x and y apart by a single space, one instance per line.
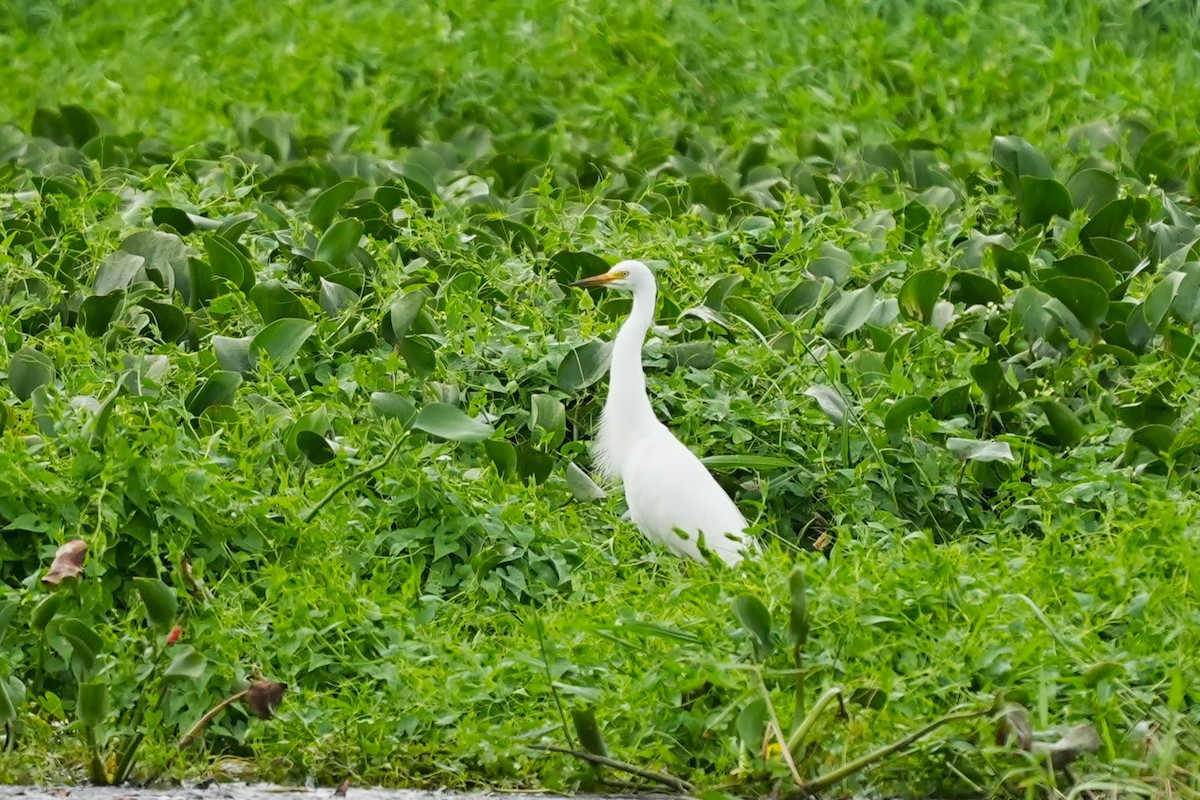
548 419
588 731
977 450
755 618
338 241
447 422
280 341
29 369
159 600
187 663
92 705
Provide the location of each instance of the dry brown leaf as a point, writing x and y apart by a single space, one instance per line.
342 788
1014 725
264 696
68 562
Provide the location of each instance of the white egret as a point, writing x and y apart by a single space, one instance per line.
672 497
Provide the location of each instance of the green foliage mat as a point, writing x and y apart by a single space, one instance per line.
285 338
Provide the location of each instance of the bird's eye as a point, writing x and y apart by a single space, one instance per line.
623 274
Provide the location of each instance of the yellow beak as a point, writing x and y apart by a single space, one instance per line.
596 280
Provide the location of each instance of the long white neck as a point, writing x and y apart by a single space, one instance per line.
627 412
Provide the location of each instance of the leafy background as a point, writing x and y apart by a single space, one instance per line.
929 307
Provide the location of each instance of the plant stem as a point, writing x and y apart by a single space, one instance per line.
670 781
129 752
311 513
859 764
96 773
777 730
805 727
562 715
208 717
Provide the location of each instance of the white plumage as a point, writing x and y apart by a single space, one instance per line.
672 497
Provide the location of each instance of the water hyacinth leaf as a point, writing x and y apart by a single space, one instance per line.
219 389
336 298
97 312
97 426
45 611
29 369
756 619
418 354
227 261
570 266
833 263
447 422
402 315
919 293
8 709
588 731
338 241
1042 199
1093 189
829 400
900 412
82 636
752 724
849 313
170 320
317 421
533 464
581 485
315 448
583 366
971 288
503 456
1155 438
280 341
394 406
159 601
979 450
164 253
1018 159
233 354
8 610
327 204
117 272
92 705
1086 299
1088 267
187 663
548 419
275 302
1066 426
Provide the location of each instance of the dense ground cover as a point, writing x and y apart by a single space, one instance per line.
930 292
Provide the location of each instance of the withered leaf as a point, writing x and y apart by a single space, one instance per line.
68 562
1014 725
342 788
264 696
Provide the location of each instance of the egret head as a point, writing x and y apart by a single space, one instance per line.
630 275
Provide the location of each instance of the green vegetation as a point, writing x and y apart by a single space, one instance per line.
285 340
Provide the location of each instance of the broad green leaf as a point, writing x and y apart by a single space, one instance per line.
29 369
233 354
330 201
338 241
833 263
503 456
97 426
1092 189
979 450
756 619
548 419
919 294
588 731
898 415
117 271
275 302
315 448
1155 438
219 389
280 341
849 313
533 464
712 191
394 406
97 312
8 709
92 704
170 320
1066 426
335 298
583 366
581 485
1088 267
418 354
318 421
830 401
752 724
971 288
165 255
45 610
159 600
570 266
1087 300
227 261
1017 159
8 610
1042 199
447 422
402 315
187 663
